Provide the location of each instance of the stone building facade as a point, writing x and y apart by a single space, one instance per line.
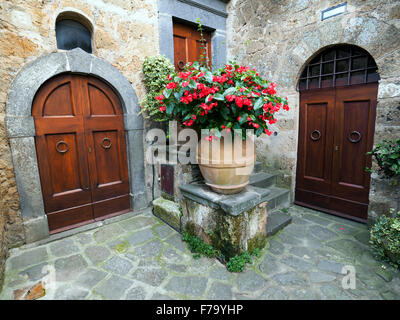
277 37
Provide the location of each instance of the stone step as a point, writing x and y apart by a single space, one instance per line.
257 167
278 198
262 179
276 221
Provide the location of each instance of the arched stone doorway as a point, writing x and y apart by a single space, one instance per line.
21 130
338 97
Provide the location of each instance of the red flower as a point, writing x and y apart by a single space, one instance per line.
171 85
159 98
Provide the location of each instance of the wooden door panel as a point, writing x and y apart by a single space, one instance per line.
73 114
187 44
315 140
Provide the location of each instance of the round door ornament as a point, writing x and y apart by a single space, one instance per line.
357 134
181 64
315 135
108 143
62 150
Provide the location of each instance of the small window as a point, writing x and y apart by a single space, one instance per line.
71 34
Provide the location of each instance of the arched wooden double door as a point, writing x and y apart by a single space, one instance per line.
81 150
338 96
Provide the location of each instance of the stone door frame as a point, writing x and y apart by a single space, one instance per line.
21 131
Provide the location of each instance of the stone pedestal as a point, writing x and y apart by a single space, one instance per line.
231 223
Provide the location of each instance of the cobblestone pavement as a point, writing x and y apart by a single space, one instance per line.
142 258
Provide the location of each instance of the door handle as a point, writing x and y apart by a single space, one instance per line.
336 148
90 149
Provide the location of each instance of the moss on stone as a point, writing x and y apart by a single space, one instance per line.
258 241
168 211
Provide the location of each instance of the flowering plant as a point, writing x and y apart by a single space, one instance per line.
232 97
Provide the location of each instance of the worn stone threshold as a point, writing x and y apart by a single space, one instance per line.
86 227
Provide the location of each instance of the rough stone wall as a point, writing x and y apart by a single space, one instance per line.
124 33
280 37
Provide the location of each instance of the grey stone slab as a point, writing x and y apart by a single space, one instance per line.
347 247
277 221
274 293
163 231
296 263
220 273
83 238
176 241
305 294
136 293
322 233
317 277
118 265
150 250
159 296
35 273
18 126
179 268
332 292
330 266
193 286
317 219
63 247
220 291
97 254
153 277
276 247
269 265
140 236
90 278
250 281
28 258
136 223
171 255
303 252
113 288
290 278
70 267
67 292
108 232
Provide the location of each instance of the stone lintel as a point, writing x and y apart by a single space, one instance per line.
233 204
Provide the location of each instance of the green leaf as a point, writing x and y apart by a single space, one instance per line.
169 108
243 118
229 91
218 96
192 84
209 76
167 93
259 131
259 103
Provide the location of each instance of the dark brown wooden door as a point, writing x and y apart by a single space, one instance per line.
335 132
81 150
187 45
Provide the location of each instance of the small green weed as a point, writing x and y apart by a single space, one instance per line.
198 247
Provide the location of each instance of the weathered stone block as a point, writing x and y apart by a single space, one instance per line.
168 211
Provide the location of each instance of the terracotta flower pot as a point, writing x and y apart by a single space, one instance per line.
227 169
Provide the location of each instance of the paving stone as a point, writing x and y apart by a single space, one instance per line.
118 246
97 254
322 233
67 292
290 278
363 237
159 296
150 250
330 266
180 268
113 288
172 255
151 276
220 291
83 238
344 229
220 273
331 292
90 278
250 281
118 265
69 268
269 265
202 266
289 239
108 232
317 277
347 247
35 273
303 252
140 236
193 286
63 247
389 295
384 274
304 294
28 258
316 219
296 263
296 230
136 293
275 247
136 223
273 293
163 230
176 241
